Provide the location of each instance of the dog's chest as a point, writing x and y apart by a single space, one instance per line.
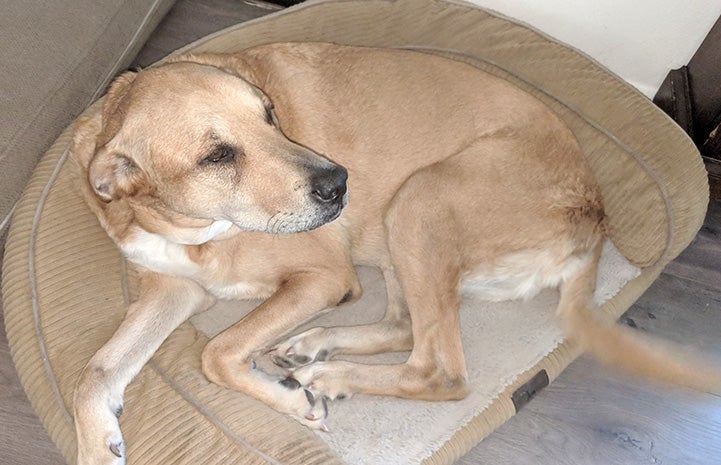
158 254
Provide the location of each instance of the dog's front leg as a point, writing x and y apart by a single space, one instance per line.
391 334
228 358
164 303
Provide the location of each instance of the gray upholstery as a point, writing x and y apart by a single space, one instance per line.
57 57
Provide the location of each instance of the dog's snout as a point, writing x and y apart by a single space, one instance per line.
329 185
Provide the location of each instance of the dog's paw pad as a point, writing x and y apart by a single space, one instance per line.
282 361
301 359
291 361
322 355
290 383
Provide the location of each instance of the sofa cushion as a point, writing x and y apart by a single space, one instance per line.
57 57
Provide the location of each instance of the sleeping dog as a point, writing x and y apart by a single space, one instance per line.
271 172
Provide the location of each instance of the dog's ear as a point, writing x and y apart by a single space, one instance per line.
87 128
112 173
115 106
227 62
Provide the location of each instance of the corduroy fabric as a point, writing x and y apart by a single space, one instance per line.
64 285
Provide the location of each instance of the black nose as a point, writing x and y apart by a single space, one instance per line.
329 185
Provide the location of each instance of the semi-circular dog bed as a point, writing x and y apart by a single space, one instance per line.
65 286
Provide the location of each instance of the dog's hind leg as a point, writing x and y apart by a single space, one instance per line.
165 302
423 242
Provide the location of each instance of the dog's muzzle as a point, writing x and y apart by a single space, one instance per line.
327 195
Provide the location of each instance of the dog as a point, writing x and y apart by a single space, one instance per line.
271 172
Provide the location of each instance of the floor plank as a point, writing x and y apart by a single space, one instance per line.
589 415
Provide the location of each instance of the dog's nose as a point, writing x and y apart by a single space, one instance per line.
329 185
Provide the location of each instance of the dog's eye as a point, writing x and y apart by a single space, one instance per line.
220 154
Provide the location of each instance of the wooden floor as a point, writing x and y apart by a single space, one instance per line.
588 416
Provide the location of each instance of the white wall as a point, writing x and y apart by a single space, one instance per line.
639 40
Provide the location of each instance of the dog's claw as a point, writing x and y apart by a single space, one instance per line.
116 449
318 413
325 406
323 427
308 395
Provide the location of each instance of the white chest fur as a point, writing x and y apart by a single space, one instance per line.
202 235
156 253
161 255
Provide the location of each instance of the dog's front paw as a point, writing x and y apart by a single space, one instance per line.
100 441
303 349
303 405
96 413
325 379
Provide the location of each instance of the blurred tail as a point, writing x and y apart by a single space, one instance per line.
622 347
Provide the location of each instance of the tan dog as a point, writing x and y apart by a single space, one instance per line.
453 176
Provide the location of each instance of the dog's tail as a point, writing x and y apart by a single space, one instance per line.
623 347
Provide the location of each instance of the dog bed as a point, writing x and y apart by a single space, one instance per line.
65 286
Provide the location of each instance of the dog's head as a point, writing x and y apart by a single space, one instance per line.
189 140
